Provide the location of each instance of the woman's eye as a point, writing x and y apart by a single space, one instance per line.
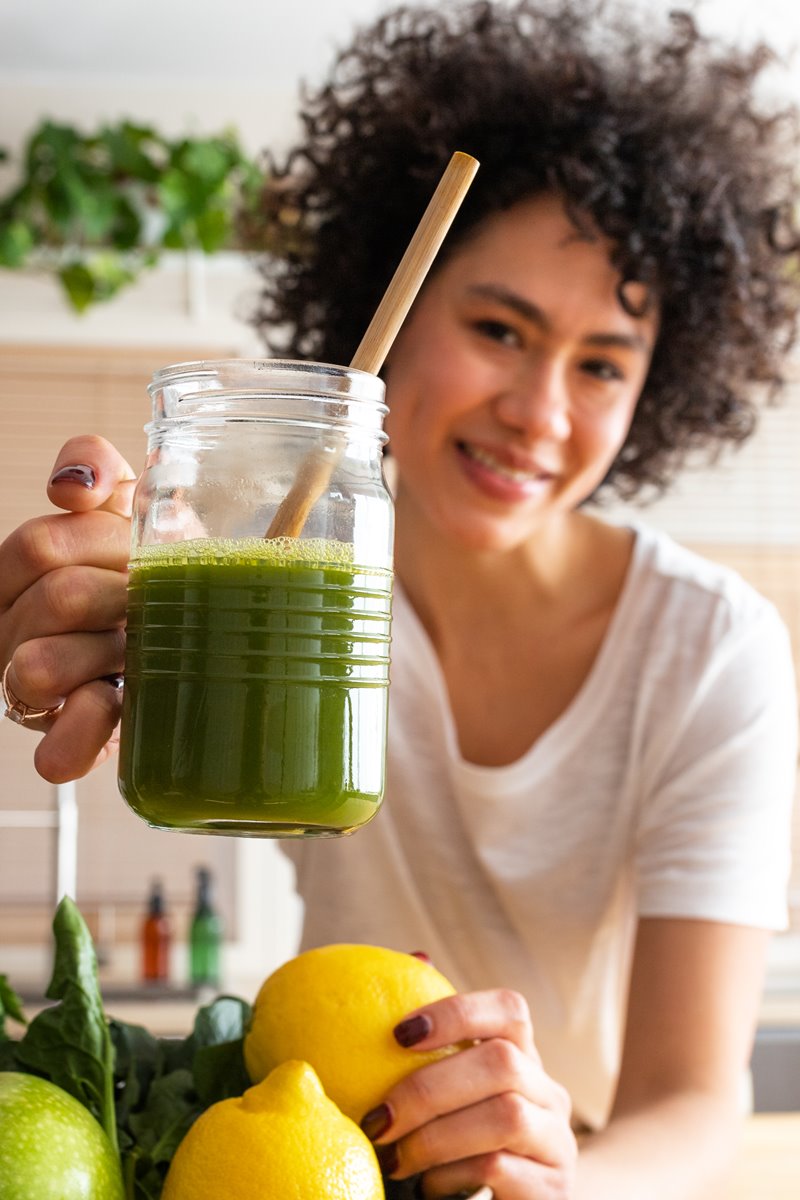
602 369
498 331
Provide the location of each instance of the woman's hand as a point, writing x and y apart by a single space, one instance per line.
62 608
488 1114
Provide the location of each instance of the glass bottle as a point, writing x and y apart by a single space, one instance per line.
257 669
205 935
156 936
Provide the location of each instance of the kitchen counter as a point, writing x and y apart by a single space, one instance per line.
768 1167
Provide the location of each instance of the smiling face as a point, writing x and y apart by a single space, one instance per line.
512 384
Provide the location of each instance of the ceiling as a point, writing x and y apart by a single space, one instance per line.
265 44
227 40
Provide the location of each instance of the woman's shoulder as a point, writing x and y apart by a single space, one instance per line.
666 569
684 613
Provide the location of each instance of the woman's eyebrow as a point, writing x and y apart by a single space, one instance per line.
627 341
531 312
526 308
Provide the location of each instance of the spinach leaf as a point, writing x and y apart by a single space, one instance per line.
10 1006
69 1043
170 1109
164 1084
139 1058
217 1042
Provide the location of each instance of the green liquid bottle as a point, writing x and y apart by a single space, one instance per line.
205 936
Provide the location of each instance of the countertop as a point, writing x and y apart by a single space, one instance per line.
768 1167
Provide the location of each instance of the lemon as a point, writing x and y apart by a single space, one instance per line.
282 1140
335 1007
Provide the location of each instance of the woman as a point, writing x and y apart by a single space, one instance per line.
592 741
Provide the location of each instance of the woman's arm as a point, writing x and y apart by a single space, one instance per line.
692 1012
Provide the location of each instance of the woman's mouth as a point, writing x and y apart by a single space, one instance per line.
503 469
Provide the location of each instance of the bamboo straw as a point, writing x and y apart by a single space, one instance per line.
315 470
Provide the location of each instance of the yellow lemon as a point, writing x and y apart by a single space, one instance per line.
282 1140
335 1007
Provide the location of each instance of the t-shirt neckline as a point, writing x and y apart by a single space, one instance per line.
560 738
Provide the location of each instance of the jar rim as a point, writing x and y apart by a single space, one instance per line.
247 376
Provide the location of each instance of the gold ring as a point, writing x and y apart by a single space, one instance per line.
17 710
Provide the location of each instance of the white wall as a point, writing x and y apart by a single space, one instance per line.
199 66
183 63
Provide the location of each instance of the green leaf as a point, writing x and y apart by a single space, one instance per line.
50 147
219 1072
10 1006
139 1059
16 243
217 1039
70 1043
8 1056
174 238
78 283
213 229
224 1020
92 207
179 195
126 229
209 161
133 150
171 1109
96 278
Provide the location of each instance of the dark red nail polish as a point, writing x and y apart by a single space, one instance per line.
421 955
76 473
409 1032
387 1158
377 1121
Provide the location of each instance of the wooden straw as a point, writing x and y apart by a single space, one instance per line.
315 470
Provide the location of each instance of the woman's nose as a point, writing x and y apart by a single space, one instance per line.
536 403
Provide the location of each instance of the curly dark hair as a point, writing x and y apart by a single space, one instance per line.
657 136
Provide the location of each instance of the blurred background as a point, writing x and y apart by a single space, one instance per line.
214 84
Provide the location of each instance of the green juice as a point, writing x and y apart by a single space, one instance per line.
256 687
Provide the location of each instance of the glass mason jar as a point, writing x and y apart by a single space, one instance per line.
257 666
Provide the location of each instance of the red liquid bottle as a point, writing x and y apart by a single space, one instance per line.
156 938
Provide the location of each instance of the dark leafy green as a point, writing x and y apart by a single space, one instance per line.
10 1006
163 1084
69 1043
145 1091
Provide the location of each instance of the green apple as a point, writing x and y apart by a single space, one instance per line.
51 1147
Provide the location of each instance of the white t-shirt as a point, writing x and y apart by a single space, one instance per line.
664 789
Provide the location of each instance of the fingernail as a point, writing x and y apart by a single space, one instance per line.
387 1158
409 1032
116 681
377 1121
420 954
76 473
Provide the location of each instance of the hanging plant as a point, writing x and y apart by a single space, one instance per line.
96 210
